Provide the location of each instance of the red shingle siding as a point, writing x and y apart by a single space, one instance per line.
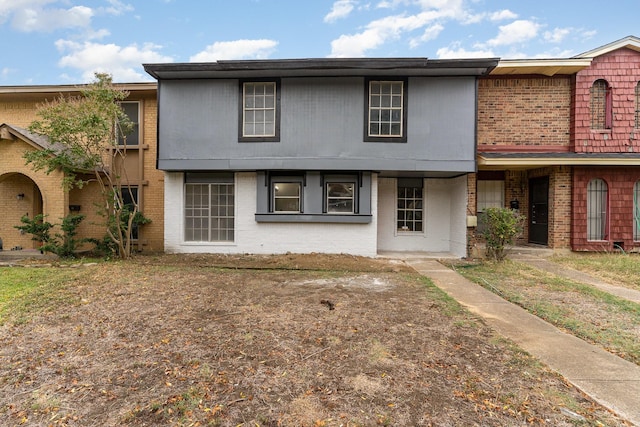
620 182
621 69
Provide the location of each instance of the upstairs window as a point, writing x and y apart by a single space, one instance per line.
260 111
597 208
132 110
386 111
601 105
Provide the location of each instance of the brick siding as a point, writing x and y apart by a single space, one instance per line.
528 112
16 177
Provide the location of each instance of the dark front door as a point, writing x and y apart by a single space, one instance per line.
539 210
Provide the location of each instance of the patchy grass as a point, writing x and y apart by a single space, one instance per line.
179 341
25 291
611 322
617 268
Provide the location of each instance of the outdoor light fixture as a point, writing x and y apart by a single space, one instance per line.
20 196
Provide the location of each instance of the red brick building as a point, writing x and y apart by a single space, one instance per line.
558 140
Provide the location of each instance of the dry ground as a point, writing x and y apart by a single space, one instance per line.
270 341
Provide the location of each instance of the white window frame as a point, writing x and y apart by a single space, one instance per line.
331 200
261 107
406 209
383 105
211 215
275 197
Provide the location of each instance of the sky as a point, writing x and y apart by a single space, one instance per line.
48 42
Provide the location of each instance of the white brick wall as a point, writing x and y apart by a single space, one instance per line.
267 238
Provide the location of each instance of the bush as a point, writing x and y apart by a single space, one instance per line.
502 227
64 245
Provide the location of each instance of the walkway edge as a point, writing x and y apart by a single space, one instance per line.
606 378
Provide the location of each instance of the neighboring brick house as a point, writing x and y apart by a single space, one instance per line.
26 192
558 139
352 156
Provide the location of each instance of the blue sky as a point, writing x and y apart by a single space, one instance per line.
66 41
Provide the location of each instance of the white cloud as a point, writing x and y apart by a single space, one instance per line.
557 35
516 32
502 15
238 49
341 9
378 32
37 19
430 33
431 18
51 15
117 7
123 63
456 52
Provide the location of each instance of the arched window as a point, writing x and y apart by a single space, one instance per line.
636 211
597 208
601 107
637 125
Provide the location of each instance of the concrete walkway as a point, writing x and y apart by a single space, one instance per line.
608 379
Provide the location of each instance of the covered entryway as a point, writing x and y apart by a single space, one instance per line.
19 196
24 191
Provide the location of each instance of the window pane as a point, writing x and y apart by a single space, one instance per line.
597 199
131 110
208 208
409 212
287 189
340 197
385 109
259 109
286 196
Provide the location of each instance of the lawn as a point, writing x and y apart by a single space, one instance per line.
611 322
618 268
262 341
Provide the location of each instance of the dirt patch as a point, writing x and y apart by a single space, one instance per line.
270 341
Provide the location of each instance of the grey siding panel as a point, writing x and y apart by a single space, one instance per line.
322 127
453 166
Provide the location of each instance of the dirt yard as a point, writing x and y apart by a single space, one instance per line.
270 341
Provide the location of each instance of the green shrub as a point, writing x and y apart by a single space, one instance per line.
62 244
502 227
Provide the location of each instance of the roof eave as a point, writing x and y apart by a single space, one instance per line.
532 162
321 67
546 67
629 42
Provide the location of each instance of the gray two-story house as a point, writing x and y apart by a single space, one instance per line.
352 156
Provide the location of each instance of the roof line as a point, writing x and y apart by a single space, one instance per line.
631 42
